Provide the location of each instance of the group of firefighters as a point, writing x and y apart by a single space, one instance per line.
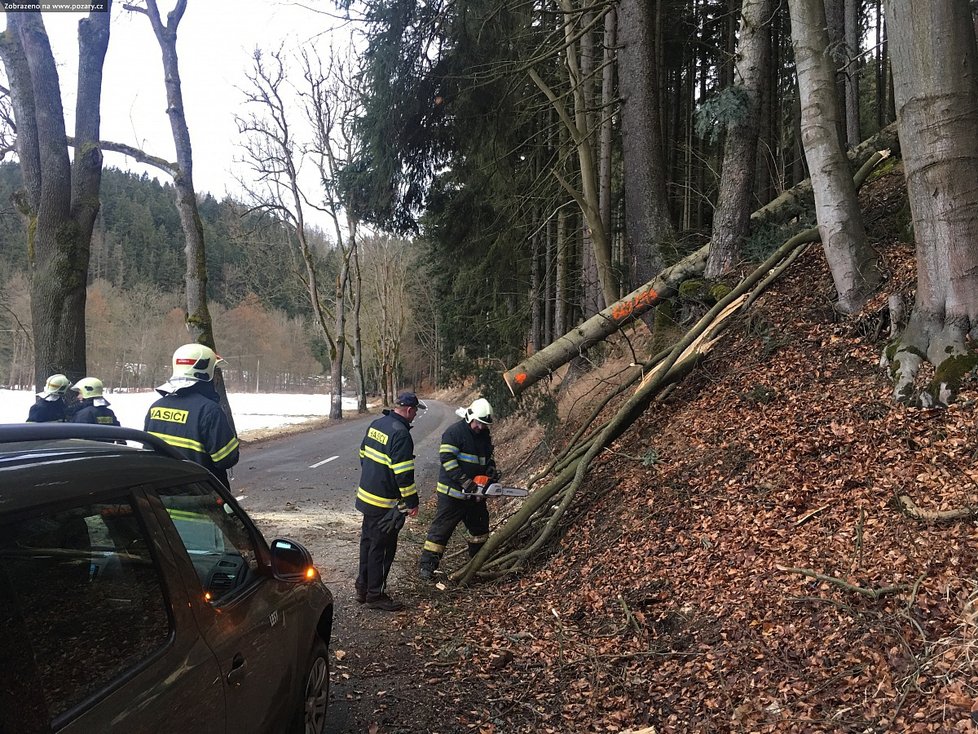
188 417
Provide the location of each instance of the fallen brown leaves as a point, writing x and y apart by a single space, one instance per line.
664 606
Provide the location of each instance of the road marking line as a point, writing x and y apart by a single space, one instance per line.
324 461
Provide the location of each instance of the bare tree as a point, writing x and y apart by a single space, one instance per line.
331 103
385 266
581 139
199 322
853 262
276 156
60 199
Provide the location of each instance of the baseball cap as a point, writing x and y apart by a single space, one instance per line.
410 400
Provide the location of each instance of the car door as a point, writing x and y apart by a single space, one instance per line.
96 620
251 620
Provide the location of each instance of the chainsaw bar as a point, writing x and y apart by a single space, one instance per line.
497 490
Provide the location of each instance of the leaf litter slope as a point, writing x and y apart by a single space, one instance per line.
676 599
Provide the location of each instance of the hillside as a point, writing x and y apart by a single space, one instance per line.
673 601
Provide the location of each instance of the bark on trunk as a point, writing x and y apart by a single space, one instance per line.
853 262
61 199
853 65
731 222
935 74
647 222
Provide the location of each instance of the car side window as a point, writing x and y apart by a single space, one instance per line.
220 546
87 595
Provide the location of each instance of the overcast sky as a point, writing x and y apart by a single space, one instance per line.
215 43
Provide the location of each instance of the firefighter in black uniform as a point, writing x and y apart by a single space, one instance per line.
92 407
189 415
465 453
51 404
386 483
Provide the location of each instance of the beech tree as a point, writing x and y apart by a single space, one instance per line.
731 222
852 261
934 75
60 198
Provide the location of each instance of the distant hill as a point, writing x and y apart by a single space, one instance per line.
138 240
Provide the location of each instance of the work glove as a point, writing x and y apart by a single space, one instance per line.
392 521
494 474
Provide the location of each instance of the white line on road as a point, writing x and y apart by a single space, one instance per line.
324 461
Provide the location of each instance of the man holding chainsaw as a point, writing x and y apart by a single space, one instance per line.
467 466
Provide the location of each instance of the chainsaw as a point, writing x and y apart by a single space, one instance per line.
483 486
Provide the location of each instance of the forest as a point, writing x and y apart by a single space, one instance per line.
542 161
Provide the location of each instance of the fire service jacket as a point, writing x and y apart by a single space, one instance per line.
387 465
464 454
190 419
92 411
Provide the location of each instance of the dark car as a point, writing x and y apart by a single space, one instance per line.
137 596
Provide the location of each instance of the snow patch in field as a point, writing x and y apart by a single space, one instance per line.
252 411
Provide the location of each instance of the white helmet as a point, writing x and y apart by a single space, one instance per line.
480 410
88 387
56 386
195 362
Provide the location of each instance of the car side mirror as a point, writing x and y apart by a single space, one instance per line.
292 562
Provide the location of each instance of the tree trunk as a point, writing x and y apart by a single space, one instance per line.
853 262
731 222
647 222
199 322
853 65
935 73
634 304
357 288
61 200
798 199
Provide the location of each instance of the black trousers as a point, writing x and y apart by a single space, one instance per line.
377 550
473 513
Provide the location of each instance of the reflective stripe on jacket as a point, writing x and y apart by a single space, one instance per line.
387 465
191 421
463 454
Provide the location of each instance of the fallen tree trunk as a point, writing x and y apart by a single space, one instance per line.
799 198
597 328
494 559
602 324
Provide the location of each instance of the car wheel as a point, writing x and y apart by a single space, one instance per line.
310 715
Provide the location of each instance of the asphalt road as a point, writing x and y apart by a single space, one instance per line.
324 465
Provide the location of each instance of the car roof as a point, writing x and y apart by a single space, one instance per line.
53 463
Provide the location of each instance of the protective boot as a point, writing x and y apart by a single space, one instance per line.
428 565
475 548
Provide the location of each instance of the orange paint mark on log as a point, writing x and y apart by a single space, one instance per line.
520 378
623 309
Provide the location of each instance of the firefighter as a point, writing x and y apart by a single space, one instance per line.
386 486
465 453
92 407
188 416
51 405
